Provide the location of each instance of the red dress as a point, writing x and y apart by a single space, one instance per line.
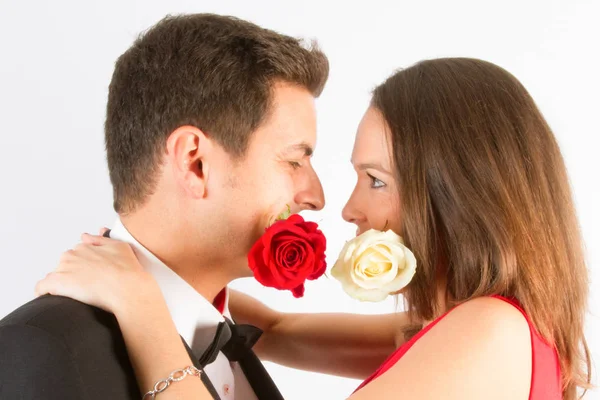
545 367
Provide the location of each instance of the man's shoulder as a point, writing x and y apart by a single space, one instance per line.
61 317
57 348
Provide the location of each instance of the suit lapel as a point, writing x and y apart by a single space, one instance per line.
259 378
257 375
209 386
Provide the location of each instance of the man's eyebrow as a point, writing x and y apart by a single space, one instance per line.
308 150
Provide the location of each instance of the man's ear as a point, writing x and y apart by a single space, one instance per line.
188 149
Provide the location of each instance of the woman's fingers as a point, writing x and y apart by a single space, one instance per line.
82 285
75 257
107 247
95 240
53 283
99 271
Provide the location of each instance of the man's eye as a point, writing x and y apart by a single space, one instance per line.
295 164
376 183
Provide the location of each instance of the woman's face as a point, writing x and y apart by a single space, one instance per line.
374 203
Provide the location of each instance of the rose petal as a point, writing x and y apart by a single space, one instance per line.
295 219
289 252
295 276
340 271
255 256
374 264
298 291
297 252
302 247
405 274
361 294
392 237
310 227
283 229
370 273
366 240
320 269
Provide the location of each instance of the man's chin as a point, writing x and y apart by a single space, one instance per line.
243 270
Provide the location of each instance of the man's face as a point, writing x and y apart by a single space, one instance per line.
276 170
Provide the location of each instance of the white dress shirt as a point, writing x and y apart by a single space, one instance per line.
195 317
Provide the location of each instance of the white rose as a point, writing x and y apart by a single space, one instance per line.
373 265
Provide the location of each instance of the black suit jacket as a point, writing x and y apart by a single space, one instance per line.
56 348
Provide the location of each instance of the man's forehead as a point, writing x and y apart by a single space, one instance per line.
290 124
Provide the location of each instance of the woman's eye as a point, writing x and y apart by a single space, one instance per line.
376 183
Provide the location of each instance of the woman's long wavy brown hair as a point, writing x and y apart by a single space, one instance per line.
483 185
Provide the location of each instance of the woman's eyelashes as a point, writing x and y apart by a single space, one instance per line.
375 183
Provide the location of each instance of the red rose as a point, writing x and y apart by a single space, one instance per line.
288 253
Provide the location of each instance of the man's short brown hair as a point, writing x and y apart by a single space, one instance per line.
209 71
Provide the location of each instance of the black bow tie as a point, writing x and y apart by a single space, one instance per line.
235 341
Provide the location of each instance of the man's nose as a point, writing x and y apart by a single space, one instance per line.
311 197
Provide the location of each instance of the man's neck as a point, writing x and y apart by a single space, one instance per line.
188 260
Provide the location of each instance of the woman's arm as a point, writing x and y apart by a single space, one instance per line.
348 345
107 275
155 348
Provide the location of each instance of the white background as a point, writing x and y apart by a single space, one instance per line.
57 59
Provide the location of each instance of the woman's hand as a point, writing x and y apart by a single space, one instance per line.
101 272
105 273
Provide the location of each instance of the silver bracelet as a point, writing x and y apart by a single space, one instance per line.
175 376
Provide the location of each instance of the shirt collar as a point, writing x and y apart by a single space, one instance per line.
195 317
